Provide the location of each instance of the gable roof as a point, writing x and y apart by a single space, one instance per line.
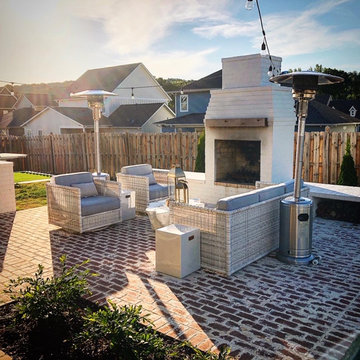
320 114
133 115
81 115
37 99
189 119
345 105
7 101
17 117
103 79
212 81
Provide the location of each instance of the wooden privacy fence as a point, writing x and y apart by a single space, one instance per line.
57 154
323 155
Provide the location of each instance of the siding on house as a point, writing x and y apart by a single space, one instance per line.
197 103
50 121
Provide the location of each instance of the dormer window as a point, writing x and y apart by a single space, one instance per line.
352 111
184 103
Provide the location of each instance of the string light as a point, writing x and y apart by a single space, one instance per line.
249 4
132 93
265 46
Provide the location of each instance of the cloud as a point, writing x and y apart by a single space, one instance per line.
135 26
178 64
288 33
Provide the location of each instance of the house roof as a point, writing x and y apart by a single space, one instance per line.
17 117
102 79
320 114
190 119
7 101
345 105
212 81
81 115
133 115
40 99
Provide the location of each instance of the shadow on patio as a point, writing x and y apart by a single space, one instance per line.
266 310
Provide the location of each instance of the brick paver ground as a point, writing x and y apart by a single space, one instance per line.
268 310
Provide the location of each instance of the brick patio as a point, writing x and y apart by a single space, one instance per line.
269 310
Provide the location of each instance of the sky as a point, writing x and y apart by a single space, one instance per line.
58 40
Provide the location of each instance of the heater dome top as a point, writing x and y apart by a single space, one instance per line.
305 79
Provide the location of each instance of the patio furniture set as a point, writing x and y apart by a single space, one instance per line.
232 233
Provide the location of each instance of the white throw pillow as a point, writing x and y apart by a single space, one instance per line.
86 189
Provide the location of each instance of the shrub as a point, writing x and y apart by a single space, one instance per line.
124 330
200 158
42 298
347 171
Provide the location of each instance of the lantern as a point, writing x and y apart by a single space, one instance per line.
177 185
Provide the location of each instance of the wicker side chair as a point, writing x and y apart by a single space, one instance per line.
144 181
78 203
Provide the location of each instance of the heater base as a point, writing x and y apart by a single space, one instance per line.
296 260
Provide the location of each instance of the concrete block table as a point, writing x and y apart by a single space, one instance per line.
177 250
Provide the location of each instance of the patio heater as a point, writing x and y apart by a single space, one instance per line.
177 185
296 213
95 100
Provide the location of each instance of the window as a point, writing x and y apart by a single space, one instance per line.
352 111
40 132
184 103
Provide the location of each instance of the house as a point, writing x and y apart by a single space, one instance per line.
69 120
141 102
36 101
321 116
349 107
191 104
7 101
133 83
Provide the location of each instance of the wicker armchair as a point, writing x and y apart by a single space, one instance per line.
145 182
78 203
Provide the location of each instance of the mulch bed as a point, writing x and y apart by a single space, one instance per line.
22 344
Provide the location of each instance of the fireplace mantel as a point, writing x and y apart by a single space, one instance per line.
237 122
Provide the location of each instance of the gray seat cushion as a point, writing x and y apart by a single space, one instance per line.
98 204
237 201
271 192
73 178
157 191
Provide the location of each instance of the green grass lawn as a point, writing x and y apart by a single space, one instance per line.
18 177
30 195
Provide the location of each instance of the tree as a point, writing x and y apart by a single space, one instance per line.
347 171
200 158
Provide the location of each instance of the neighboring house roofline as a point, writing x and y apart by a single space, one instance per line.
153 78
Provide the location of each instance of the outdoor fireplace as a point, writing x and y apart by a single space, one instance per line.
237 161
249 127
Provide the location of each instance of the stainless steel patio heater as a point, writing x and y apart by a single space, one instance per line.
95 100
296 213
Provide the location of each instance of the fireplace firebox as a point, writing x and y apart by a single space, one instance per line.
237 161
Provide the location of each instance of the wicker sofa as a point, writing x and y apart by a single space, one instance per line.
78 203
239 230
145 182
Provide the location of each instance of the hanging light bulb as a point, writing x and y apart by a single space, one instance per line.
132 94
182 91
263 49
249 4
270 72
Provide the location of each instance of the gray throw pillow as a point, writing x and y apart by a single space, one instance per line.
86 189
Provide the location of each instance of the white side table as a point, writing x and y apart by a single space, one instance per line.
177 250
158 213
127 203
